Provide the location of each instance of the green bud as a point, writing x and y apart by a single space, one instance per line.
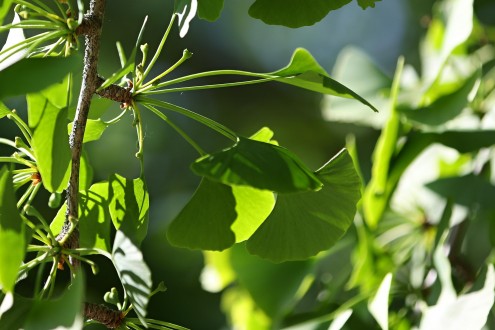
72 24
54 200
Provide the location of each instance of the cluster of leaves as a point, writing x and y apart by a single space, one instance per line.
254 191
420 252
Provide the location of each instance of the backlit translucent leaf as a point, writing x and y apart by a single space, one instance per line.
350 68
468 311
272 286
129 205
294 13
62 313
50 142
218 215
94 129
446 107
13 245
4 111
210 9
303 71
94 218
133 272
34 74
257 164
303 224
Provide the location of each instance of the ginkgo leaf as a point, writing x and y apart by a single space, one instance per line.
259 165
303 224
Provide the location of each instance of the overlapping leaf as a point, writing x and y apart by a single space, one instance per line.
129 206
94 218
13 245
133 272
257 164
210 9
34 74
50 142
303 224
62 313
218 215
303 71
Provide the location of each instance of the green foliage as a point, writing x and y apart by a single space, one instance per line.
295 247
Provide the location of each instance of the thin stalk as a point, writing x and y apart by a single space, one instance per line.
159 49
39 235
37 248
33 263
30 24
185 55
215 73
23 127
138 121
200 87
193 115
177 129
54 45
45 11
8 142
21 160
116 119
92 264
39 278
34 212
25 196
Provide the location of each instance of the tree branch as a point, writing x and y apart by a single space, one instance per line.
92 24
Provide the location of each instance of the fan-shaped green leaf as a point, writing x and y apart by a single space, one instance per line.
133 272
294 13
13 245
218 215
94 218
129 205
62 313
303 224
34 74
272 286
303 71
210 9
259 165
94 129
50 142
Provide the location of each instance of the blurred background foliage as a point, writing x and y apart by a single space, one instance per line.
306 290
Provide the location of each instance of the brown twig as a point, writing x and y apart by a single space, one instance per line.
110 318
92 28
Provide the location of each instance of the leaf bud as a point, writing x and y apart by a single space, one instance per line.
54 200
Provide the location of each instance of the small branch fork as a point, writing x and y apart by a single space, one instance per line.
69 236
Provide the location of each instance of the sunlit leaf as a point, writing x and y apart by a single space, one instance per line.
129 206
303 71
468 311
257 164
475 190
186 11
340 320
94 129
446 107
217 273
133 273
210 9
15 37
218 215
450 27
355 68
303 224
94 218
295 13
34 74
50 142
272 286
13 245
378 306
4 111
62 313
